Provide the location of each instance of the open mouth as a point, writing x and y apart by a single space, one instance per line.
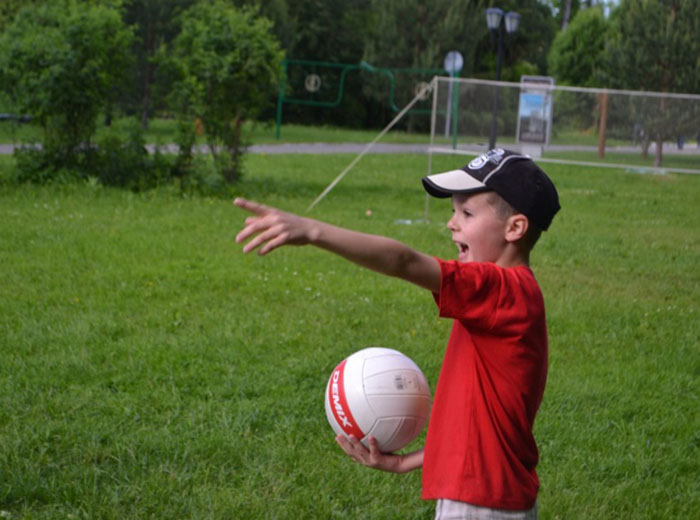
463 250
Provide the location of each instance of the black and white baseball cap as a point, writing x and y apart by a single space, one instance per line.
513 176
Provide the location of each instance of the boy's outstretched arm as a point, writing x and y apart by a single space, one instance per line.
373 458
271 228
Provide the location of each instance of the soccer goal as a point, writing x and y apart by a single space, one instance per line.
646 131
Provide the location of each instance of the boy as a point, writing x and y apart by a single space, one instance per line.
480 455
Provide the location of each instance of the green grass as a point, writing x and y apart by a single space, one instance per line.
633 160
150 370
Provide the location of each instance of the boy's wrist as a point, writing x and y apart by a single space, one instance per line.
401 463
313 231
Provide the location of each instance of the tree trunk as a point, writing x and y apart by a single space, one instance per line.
146 99
148 76
603 122
566 15
645 146
236 150
658 156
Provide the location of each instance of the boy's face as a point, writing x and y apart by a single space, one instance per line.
477 229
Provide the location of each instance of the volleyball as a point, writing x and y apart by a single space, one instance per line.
378 392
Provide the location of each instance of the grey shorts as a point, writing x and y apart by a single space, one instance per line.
454 510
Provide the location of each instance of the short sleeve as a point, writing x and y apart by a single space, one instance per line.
470 292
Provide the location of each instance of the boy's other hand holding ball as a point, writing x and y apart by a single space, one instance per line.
373 458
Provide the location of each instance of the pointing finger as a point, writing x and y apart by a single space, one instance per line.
252 206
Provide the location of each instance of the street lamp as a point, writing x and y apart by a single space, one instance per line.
494 17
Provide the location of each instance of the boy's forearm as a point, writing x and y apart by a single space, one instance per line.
371 251
410 461
378 253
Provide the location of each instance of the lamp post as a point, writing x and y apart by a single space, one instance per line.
494 17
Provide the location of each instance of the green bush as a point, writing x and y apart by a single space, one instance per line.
228 66
62 63
121 159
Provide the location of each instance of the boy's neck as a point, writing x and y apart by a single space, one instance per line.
513 256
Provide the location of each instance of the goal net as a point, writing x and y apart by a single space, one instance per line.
646 131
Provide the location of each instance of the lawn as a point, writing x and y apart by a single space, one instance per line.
151 370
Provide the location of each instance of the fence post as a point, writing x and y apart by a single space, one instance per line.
280 99
603 123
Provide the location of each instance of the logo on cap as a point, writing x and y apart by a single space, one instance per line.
494 156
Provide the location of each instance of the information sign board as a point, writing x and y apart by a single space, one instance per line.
535 110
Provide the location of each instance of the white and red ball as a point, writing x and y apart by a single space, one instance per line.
378 392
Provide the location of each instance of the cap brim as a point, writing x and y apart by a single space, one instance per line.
446 184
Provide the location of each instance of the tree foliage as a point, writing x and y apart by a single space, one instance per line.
60 63
654 46
330 31
9 9
576 54
229 66
575 59
156 24
427 31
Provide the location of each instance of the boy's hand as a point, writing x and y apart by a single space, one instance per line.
372 457
273 228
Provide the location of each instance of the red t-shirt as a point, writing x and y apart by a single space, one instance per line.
480 448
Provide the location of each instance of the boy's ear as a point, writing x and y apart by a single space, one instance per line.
516 227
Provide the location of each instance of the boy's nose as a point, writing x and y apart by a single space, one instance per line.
451 224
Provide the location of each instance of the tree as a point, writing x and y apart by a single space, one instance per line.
427 31
9 8
327 30
60 63
566 14
577 53
156 24
331 31
564 11
654 46
575 59
229 69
